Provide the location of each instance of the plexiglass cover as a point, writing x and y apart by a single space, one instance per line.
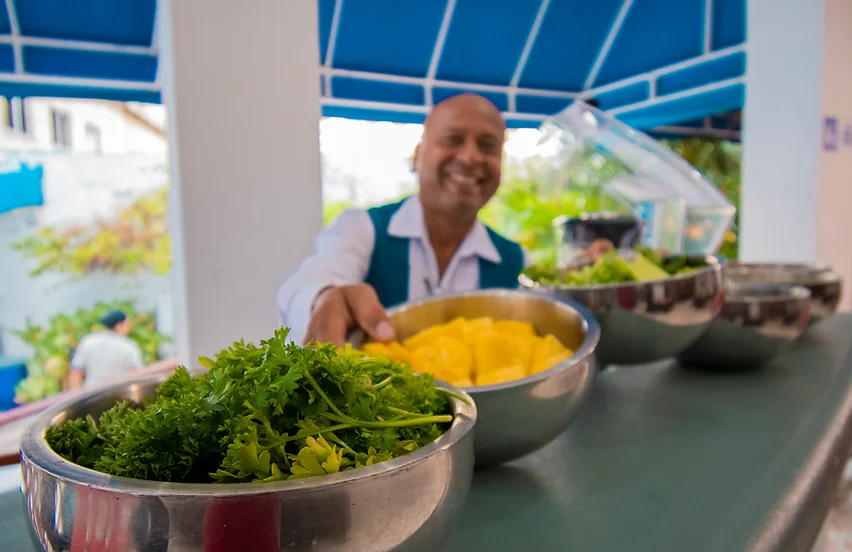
682 210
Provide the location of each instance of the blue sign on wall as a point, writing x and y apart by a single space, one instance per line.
830 134
21 188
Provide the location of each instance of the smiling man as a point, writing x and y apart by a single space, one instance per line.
429 244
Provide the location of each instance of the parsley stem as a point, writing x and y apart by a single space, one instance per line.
303 434
384 383
324 397
403 412
442 419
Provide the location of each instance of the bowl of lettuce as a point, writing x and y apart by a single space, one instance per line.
273 447
650 306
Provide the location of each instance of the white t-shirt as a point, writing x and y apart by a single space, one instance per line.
106 356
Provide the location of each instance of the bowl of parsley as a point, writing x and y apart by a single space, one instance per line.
271 447
650 306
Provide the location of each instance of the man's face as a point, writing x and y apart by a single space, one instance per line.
460 158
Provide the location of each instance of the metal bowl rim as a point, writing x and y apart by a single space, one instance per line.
788 293
583 352
815 274
714 264
36 451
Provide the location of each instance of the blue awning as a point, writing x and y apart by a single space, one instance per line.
650 62
21 188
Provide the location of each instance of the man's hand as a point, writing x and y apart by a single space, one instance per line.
338 310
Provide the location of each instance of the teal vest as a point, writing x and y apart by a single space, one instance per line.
389 267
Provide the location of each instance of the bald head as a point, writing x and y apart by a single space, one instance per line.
469 103
460 157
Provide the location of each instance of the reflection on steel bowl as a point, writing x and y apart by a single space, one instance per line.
407 503
825 285
645 322
520 416
757 323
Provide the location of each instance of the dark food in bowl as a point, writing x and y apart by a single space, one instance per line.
263 413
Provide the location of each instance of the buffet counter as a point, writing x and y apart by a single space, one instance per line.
665 459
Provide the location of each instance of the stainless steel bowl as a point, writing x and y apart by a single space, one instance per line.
825 285
645 322
757 323
517 417
408 503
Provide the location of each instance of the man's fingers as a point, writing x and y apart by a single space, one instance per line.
330 330
330 320
368 312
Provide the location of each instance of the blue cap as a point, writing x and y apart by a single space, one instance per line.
113 318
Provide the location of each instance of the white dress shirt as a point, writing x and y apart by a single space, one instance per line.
343 251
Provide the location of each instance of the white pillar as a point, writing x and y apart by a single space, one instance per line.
796 202
241 84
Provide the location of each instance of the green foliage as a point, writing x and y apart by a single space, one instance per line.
136 241
264 413
719 161
54 344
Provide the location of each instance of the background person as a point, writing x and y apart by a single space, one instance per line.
106 355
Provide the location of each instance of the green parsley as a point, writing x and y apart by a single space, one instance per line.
263 413
611 268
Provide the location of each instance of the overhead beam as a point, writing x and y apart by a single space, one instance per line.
332 44
607 44
15 38
525 53
708 26
438 50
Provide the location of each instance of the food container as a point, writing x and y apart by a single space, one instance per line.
825 286
757 323
521 416
633 174
407 503
645 322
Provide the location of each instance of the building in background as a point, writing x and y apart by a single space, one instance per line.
81 126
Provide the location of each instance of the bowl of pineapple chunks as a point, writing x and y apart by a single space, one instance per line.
528 361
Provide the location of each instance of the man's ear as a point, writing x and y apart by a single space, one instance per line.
415 159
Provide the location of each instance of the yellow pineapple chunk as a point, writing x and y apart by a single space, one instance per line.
494 351
503 375
514 327
446 358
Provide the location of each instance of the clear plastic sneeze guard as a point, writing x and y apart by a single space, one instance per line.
637 176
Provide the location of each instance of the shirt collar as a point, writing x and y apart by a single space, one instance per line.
407 222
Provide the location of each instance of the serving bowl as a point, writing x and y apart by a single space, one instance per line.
756 324
407 503
645 322
825 285
516 417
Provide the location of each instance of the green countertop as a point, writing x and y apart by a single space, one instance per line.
665 459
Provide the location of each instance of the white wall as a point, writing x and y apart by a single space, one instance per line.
834 230
78 188
796 202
